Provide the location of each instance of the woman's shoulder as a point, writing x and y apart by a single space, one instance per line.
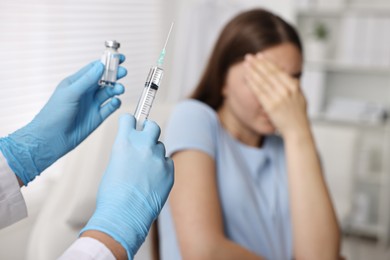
191 111
192 125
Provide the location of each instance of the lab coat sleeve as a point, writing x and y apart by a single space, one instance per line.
86 248
12 205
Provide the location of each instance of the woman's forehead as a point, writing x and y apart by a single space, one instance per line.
286 56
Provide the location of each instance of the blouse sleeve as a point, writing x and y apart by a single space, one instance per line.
192 125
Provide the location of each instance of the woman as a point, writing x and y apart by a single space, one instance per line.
241 190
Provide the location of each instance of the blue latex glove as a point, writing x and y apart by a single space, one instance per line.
134 187
76 108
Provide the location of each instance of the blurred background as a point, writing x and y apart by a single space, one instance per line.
346 81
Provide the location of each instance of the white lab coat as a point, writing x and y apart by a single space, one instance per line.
13 208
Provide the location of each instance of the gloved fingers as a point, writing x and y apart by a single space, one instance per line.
105 93
74 77
107 109
151 129
170 163
89 79
122 72
127 124
171 167
122 58
160 150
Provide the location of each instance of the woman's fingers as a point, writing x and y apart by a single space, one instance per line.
271 85
282 80
256 80
274 75
262 96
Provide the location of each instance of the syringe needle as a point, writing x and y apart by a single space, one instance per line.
160 60
169 33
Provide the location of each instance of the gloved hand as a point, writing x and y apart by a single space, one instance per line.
135 186
76 108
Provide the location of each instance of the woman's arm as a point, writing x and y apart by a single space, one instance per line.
196 210
315 229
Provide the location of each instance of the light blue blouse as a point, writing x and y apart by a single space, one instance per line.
252 184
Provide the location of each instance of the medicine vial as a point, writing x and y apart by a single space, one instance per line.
110 60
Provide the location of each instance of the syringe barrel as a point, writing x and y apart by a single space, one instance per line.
154 77
148 94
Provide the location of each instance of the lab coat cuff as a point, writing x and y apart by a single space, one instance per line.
12 205
86 248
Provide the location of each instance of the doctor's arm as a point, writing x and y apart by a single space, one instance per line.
199 224
75 109
131 194
316 232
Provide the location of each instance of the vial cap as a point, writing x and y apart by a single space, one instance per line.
112 44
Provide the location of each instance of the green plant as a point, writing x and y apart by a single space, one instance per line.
320 31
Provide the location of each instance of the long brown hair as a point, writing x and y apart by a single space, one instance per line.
250 32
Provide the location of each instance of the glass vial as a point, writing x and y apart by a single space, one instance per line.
110 60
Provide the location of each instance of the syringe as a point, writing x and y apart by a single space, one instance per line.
151 86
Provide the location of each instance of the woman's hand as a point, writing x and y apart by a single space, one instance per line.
278 93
